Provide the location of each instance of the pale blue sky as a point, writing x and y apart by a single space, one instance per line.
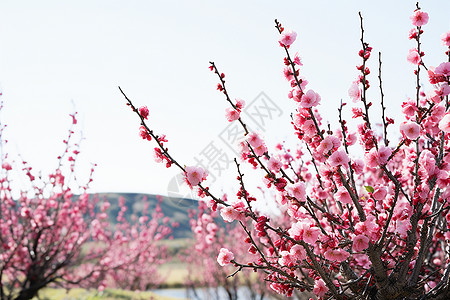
56 52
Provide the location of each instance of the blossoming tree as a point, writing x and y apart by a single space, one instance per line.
205 274
49 236
368 227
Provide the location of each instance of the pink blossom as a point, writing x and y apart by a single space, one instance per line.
212 227
358 166
225 257
297 252
195 175
288 38
443 69
254 140
310 99
413 57
243 148
412 33
445 37
409 108
143 111
338 158
371 158
343 196
419 18
274 165
285 259
354 92
383 154
442 91
231 114
297 60
6 166
338 255
296 231
143 132
260 150
427 162
229 214
379 193
288 73
310 234
444 124
297 190
309 128
360 242
240 104
320 288
351 139
366 227
410 129
325 145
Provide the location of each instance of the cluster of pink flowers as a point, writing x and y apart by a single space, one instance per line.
195 175
233 114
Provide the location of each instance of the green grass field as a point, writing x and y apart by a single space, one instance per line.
107 294
174 272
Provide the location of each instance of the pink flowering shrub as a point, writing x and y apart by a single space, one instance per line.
51 236
370 226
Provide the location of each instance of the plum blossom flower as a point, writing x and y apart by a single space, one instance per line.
296 230
443 69
338 158
254 140
419 18
288 73
358 166
143 132
338 255
309 128
240 104
444 124
232 114
225 257
310 99
297 59
379 193
285 258
410 129
409 107
445 37
144 112
229 214
195 175
360 242
413 56
320 288
274 165
325 145
260 150
413 33
343 196
383 155
297 190
297 252
288 38
371 158
310 234
354 92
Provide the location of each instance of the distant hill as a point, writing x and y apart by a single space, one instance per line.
174 208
